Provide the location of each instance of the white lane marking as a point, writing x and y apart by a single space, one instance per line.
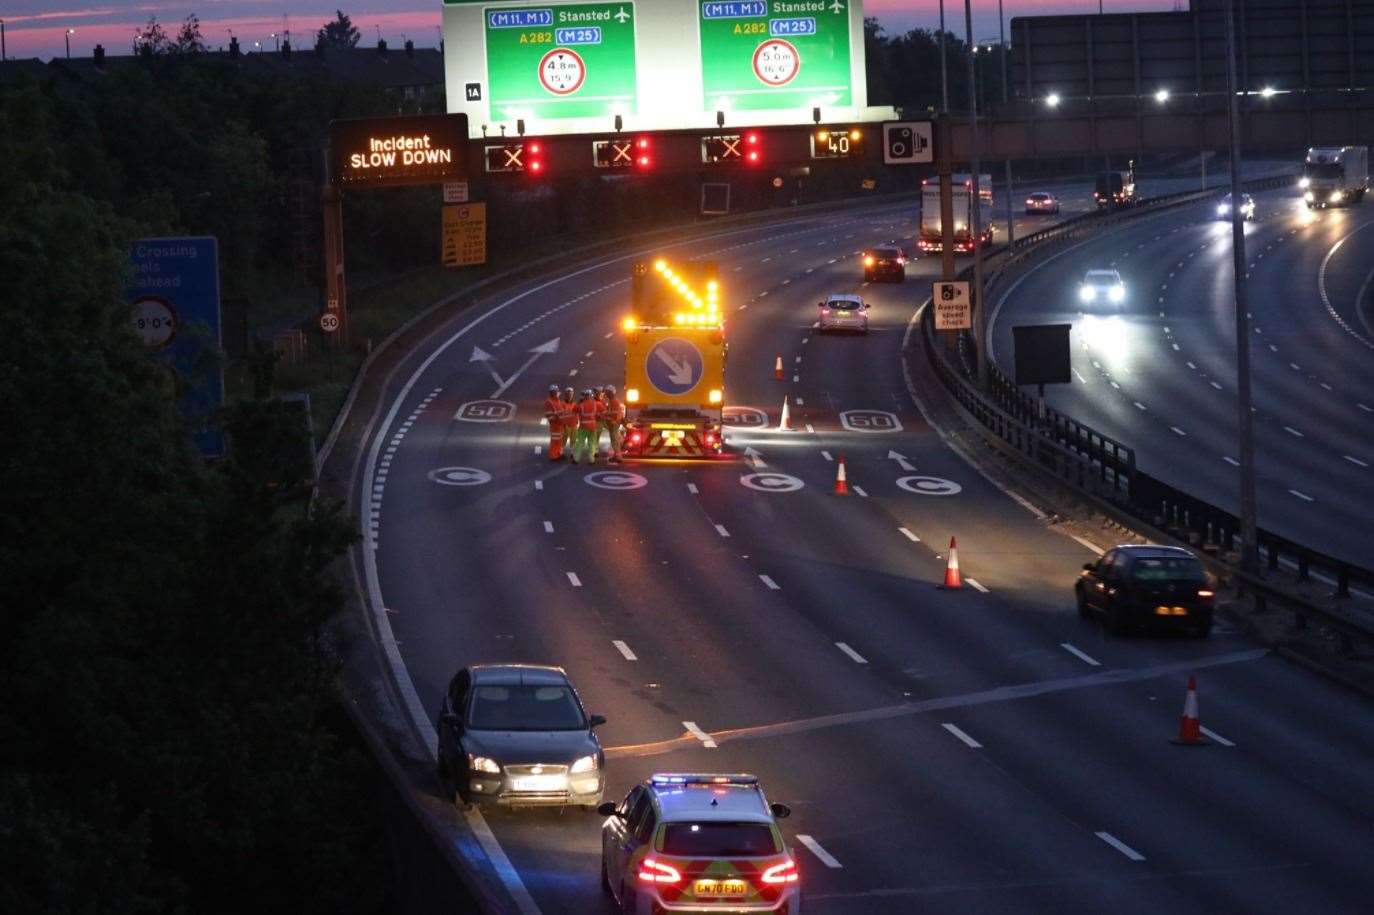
1193 367
538 449
699 734
860 491
909 535
958 732
800 402
772 585
1215 736
1295 367
1291 431
609 336
1092 547
1087 659
826 455
1354 460
1230 460
574 580
548 527
1326 387
624 650
1025 503
538 484
805 340
796 378
572 373
1215 385
1080 377
720 529
1139 405
1177 430
692 488
797 359
506 871
1119 845
815 848
975 584
810 429
589 354
1302 495
853 655
1365 407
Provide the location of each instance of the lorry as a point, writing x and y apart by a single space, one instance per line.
1114 190
1335 175
961 187
675 362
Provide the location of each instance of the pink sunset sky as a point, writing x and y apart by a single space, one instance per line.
36 28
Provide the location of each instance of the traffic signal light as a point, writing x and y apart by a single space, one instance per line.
525 156
733 149
623 152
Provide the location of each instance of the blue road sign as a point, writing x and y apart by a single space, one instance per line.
174 308
674 366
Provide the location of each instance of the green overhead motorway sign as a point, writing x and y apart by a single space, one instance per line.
769 54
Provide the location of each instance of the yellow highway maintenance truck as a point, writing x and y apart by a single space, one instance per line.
675 362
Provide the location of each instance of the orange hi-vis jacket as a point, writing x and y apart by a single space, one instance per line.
553 412
613 411
587 411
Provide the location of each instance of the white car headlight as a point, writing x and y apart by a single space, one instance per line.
1304 182
1087 293
1222 209
1118 293
1337 196
483 764
585 764
1309 196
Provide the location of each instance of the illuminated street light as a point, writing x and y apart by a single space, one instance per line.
1162 96
1052 100
1268 92
67 37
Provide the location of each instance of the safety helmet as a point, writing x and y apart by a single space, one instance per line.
553 389
586 392
610 389
568 392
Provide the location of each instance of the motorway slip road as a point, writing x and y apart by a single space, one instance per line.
977 750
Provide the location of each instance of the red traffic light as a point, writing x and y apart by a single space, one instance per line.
642 158
534 157
752 151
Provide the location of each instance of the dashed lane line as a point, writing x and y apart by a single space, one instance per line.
574 580
720 529
1291 431
1230 460
909 535
821 854
1213 735
548 527
851 653
699 734
826 455
1092 547
1354 460
1302 495
692 488
973 583
1082 656
1120 846
859 490
1177 430
624 650
772 585
958 732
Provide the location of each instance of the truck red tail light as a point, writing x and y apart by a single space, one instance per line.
786 872
651 871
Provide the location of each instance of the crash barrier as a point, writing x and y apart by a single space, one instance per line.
1105 469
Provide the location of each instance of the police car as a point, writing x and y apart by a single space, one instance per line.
698 843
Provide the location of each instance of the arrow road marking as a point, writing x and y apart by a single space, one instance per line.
699 734
901 460
484 357
754 457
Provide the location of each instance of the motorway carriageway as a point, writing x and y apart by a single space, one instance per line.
981 750
1159 371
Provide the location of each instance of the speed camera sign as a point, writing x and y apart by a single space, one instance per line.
907 143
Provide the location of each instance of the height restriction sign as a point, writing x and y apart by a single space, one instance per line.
465 235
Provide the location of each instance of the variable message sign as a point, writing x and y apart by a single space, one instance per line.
385 152
575 67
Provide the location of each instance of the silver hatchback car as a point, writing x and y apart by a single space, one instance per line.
843 312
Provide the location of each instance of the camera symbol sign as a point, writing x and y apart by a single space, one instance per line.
674 366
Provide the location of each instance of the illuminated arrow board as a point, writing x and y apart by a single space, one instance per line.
775 54
561 61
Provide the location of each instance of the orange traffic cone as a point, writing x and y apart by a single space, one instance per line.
841 483
777 368
785 422
1189 727
953 581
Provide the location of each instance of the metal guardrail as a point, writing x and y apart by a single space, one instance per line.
1106 469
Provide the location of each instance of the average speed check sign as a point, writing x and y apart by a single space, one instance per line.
952 306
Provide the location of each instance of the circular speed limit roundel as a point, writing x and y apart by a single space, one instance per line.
154 320
561 71
776 62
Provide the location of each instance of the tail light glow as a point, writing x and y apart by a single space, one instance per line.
1204 593
786 872
651 871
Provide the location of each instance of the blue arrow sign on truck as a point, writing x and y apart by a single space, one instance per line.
674 366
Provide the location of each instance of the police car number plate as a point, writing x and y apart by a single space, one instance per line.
720 888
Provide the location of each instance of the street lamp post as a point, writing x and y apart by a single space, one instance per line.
944 76
2 39
980 319
1006 97
1249 555
67 37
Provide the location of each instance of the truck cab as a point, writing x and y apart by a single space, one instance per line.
1114 190
1335 176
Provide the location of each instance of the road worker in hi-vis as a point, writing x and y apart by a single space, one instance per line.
613 421
568 410
553 414
588 410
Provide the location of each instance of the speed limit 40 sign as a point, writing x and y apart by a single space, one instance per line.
952 306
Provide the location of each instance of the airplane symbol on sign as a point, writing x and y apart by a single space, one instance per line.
837 7
622 15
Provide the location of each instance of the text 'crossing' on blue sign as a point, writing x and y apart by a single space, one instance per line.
780 27
519 19
584 35
735 9
674 366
